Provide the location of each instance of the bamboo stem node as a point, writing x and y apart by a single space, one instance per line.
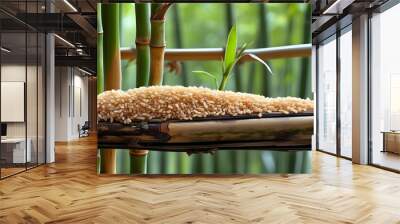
138 152
143 42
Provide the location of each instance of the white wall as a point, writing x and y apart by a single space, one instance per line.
61 103
12 73
71 94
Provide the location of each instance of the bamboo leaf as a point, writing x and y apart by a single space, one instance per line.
230 49
261 61
241 50
227 72
209 75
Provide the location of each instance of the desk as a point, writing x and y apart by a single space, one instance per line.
13 150
391 141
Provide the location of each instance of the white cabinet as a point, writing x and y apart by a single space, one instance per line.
17 147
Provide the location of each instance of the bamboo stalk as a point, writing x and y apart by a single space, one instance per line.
112 56
138 161
230 20
126 12
305 62
284 73
235 160
197 165
100 69
184 163
224 81
224 159
298 163
282 162
100 73
157 42
207 163
306 168
157 46
142 43
254 163
239 161
264 42
154 162
127 39
170 163
179 41
112 71
212 54
108 161
138 158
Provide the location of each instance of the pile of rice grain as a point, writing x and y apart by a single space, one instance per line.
186 103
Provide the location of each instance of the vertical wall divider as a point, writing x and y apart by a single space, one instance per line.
45 93
26 86
316 97
73 92
369 78
338 100
360 90
37 90
44 81
1 166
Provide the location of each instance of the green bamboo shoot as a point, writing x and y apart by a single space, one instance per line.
230 21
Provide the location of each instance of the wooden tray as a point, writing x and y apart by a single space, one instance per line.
275 131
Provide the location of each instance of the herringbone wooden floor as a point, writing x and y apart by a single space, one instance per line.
69 191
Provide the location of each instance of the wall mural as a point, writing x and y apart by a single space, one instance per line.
186 89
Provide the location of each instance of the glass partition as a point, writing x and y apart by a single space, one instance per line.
327 95
22 91
346 93
14 153
385 88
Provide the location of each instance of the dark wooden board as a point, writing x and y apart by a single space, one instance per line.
275 131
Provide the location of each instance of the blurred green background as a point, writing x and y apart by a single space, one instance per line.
206 25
